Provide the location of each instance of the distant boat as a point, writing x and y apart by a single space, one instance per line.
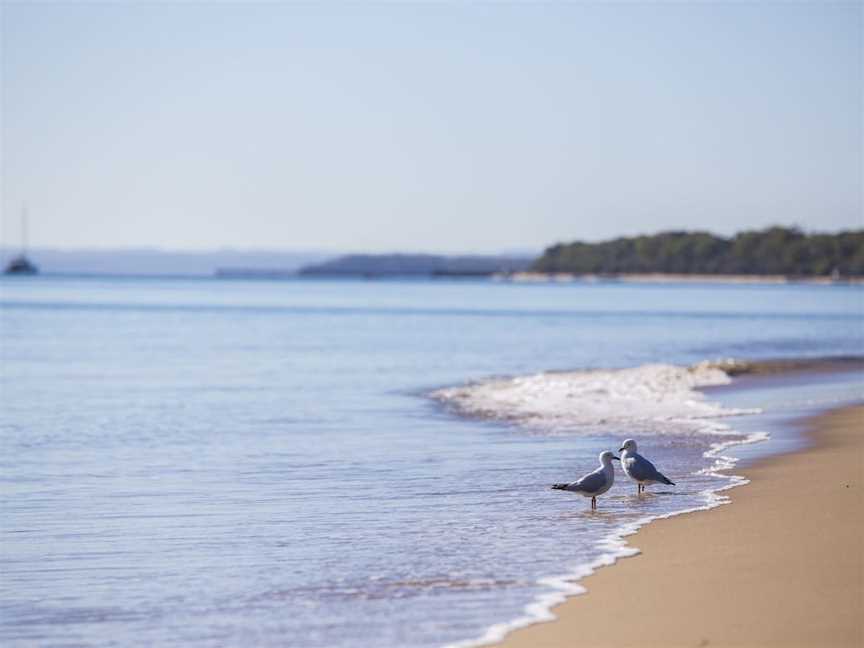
21 265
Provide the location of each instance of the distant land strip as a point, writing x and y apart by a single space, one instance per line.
773 255
776 252
425 265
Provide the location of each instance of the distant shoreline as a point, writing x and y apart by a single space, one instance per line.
660 277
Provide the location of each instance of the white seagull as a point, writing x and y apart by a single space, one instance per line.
639 469
594 483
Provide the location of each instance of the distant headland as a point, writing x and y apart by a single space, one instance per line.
428 265
776 251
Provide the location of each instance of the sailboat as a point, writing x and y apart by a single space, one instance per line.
20 264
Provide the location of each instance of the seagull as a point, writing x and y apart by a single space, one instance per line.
594 483
639 469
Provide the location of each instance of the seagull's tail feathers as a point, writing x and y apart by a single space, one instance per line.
666 480
560 486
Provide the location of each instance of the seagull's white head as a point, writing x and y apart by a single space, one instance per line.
629 445
606 458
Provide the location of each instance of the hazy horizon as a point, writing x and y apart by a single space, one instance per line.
425 128
153 261
10 247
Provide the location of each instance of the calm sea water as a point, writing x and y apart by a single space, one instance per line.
214 462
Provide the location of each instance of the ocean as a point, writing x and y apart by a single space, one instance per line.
328 463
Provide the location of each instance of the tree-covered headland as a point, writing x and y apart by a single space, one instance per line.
772 251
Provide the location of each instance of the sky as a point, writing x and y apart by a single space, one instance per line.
450 127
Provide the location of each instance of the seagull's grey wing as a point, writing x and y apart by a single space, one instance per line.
643 470
592 483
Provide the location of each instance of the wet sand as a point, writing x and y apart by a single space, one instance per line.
783 565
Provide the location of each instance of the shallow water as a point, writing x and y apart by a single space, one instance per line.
214 462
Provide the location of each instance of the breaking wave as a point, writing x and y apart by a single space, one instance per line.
653 397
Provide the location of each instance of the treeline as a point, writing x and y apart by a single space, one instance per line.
772 251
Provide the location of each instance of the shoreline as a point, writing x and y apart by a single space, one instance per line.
792 557
676 278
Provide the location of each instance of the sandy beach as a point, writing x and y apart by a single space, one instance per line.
781 565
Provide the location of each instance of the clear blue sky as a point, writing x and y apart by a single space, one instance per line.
438 127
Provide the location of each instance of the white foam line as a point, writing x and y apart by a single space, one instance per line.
660 395
615 547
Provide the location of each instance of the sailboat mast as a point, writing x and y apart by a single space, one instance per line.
24 232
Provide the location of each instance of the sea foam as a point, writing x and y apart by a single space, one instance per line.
653 397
